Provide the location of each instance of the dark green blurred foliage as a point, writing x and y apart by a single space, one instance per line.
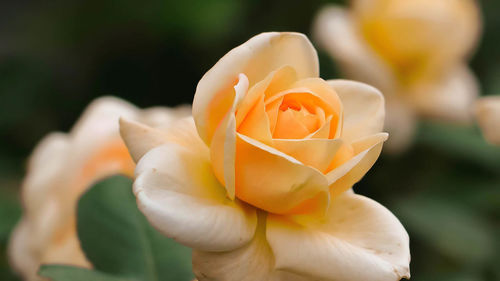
56 56
10 212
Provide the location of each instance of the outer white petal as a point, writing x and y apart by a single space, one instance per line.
21 258
140 138
364 109
255 58
336 32
448 97
358 240
100 121
487 111
44 169
252 262
177 191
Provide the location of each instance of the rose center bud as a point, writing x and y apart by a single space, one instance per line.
285 125
296 121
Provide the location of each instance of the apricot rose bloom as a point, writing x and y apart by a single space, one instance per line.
60 169
415 51
259 184
487 112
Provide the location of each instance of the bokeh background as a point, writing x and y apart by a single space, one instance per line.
56 56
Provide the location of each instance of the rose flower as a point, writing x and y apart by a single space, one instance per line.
259 185
60 169
415 51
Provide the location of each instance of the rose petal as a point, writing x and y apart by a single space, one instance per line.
65 250
306 98
317 153
275 82
320 113
324 131
364 110
254 261
100 121
344 154
272 180
223 148
487 111
335 30
272 110
20 255
366 152
321 88
140 138
44 166
256 124
359 239
256 256
177 177
448 97
324 90
256 58
178 193
288 126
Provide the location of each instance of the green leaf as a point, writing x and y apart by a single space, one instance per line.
118 240
465 143
71 273
453 230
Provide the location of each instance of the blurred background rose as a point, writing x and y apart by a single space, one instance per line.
56 56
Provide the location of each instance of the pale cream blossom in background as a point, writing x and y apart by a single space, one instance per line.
259 184
487 112
414 51
60 169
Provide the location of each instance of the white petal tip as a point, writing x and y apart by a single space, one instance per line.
140 138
